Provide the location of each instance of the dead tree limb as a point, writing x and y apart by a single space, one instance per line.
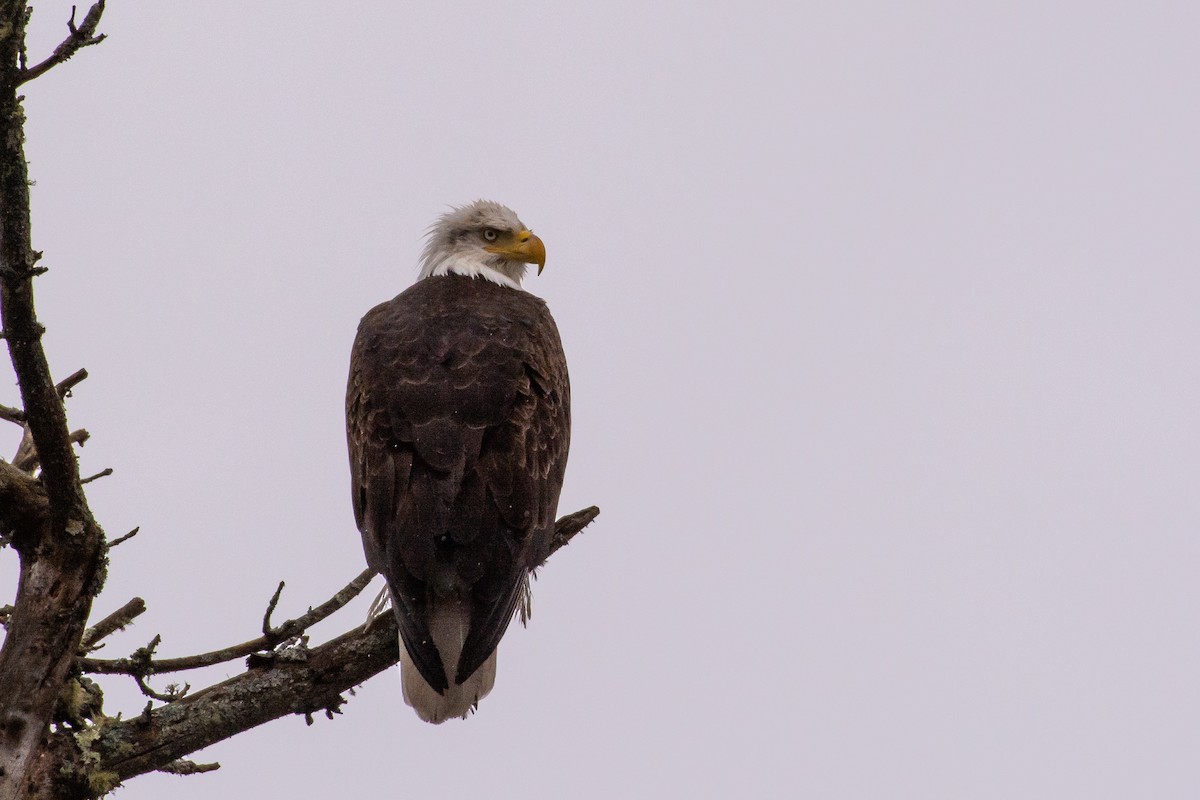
308 685
62 558
134 665
114 622
77 38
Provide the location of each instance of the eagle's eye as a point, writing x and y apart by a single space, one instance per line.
491 234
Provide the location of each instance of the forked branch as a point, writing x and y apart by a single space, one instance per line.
138 664
77 39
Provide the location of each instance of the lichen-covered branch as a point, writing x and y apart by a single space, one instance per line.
259 695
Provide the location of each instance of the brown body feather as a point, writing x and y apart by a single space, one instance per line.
458 422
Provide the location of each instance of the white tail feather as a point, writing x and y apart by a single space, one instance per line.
448 622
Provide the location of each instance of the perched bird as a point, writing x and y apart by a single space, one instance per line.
458 422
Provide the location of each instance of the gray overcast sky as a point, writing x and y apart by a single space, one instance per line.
882 326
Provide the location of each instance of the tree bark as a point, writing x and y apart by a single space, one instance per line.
62 560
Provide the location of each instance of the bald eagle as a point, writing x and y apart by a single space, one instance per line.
458 422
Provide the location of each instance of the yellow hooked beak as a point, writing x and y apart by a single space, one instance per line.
524 247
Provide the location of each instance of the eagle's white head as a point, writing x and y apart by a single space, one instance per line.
482 240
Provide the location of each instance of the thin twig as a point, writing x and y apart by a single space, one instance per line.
287 630
141 666
83 36
120 539
267 630
101 474
172 694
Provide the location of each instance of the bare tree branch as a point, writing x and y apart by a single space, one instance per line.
173 693
274 601
140 664
124 538
104 473
77 39
62 561
136 664
269 689
114 622
248 700
68 383
10 414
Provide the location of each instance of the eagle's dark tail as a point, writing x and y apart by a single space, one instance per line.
449 620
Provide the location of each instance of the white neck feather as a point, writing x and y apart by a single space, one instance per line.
459 264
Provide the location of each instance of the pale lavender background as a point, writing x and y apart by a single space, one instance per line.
882 321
